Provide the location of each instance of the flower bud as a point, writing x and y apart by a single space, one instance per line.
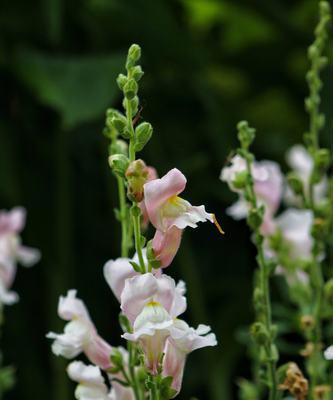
246 134
320 228
118 147
240 180
307 322
116 360
322 159
260 333
121 81
295 183
119 122
130 89
255 217
119 164
136 174
134 54
151 256
143 134
137 72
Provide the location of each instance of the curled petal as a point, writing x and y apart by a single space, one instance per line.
70 307
116 272
158 191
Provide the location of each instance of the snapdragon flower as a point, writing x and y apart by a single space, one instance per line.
183 340
328 353
151 303
91 382
301 163
295 226
12 251
268 187
170 214
80 334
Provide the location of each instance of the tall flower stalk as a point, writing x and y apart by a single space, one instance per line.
158 341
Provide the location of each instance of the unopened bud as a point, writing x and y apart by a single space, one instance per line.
151 256
240 180
121 81
119 164
136 174
116 360
134 54
137 72
255 218
143 134
119 147
295 183
130 89
307 322
119 122
259 333
322 159
246 134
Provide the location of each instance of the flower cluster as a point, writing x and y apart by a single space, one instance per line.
12 252
151 303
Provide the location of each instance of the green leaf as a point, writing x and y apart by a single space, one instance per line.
78 88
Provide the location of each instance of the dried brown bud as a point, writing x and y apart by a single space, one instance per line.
295 382
308 350
307 322
321 391
136 174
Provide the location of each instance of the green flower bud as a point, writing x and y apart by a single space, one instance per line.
137 73
259 333
130 89
255 218
320 228
134 105
119 147
136 174
134 54
143 134
124 323
119 164
151 256
322 160
241 179
121 81
295 183
119 122
116 360
246 134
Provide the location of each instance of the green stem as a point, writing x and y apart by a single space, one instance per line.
137 239
133 378
264 286
123 217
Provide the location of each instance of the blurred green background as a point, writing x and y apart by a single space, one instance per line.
208 64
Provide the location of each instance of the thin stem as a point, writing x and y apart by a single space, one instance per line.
133 378
123 217
264 286
137 239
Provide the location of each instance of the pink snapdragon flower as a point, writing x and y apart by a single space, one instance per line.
295 226
268 187
151 303
12 251
183 340
80 334
170 214
91 382
301 162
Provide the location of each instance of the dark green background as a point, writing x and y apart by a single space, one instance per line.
208 64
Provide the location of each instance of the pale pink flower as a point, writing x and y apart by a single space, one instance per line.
182 341
80 334
170 214
151 329
91 382
12 251
116 272
143 289
295 226
328 353
301 163
268 187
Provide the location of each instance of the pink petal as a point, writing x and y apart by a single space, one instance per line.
158 191
12 221
166 245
